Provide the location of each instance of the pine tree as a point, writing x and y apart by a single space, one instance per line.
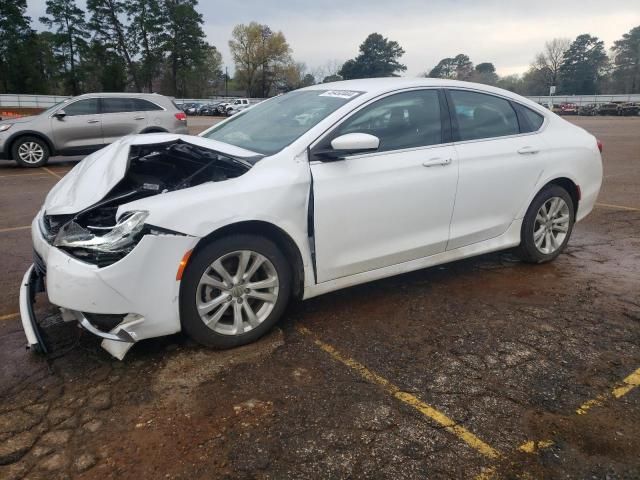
146 28
106 22
71 36
184 42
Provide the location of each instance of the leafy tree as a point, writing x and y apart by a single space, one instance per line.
146 29
378 58
332 78
105 70
183 42
626 51
203 79
258 53
512 83
549 61
106 22
18 46
484 73
535 82
583 66
71 36
459 67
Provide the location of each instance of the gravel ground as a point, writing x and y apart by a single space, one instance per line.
508 351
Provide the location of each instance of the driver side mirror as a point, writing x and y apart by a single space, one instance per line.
350 143
60 114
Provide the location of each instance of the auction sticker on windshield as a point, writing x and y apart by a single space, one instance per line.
340 93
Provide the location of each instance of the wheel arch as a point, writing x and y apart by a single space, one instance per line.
29 133
570 186
274 233
154 130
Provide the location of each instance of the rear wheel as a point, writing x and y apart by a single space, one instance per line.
30 152
234 290
547 226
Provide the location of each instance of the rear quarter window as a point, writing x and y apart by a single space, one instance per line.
141 105
530 121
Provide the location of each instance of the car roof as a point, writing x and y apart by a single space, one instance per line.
377 86
120 95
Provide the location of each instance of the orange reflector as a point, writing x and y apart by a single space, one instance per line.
183 264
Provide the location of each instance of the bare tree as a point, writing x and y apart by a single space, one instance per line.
549 60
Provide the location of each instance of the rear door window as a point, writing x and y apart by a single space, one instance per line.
480 115
118 105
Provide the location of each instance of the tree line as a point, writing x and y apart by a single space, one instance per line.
578 67
160 46
115 45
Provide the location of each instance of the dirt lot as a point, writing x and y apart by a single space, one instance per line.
472 370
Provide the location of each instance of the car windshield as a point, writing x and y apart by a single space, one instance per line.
272 125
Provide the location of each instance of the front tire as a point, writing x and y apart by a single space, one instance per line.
234 290
547 225
30 152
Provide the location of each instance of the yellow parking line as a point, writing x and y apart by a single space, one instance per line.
625 386
618 207
9 316
407 398
533 446
14 229
51 172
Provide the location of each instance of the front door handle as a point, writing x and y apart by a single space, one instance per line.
139 118
528 151
93 121
434 162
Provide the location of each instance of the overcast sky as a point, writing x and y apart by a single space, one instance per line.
507 33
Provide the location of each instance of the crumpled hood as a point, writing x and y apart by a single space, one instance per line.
91 179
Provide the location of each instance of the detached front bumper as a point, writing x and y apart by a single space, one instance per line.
28 289
140 288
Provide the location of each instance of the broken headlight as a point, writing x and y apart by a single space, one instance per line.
102 245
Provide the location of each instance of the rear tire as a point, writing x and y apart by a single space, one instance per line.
30 152
224 304
547 225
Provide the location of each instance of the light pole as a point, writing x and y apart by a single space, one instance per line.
226 81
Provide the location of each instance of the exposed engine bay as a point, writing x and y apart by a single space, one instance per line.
96 236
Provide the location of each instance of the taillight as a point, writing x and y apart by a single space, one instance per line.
181 116
600 146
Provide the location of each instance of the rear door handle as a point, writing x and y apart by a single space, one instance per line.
93 121
139 118
528 151
434 162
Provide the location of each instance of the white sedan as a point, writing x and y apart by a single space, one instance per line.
313 191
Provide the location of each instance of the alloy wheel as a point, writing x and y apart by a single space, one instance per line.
551 225
30 152
237 292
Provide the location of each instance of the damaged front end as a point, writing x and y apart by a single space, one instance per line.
136 298
96 236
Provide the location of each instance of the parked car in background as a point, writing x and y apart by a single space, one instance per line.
84 124
608 109
568 109
588 110
629 109
222 108
237 106
193 108
313 191
209 109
